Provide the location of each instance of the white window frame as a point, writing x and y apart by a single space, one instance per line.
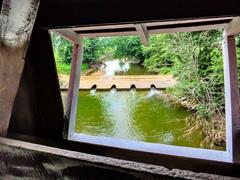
231 105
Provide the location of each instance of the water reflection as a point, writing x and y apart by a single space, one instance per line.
134 115
117 67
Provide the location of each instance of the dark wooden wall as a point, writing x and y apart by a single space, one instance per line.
16 163
62 13
38 112
38 107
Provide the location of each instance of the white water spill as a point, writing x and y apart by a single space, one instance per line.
114 66
113 90
133 91
93 92
153 91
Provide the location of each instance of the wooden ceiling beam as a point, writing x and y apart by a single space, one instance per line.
69 35
188 29
155 31
149 24
88 28
107 34
143 33
233 27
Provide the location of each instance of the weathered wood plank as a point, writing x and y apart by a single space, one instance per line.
58 13
69 35
16 22
142 31
54 162
38 109
73 87
231 97
233 28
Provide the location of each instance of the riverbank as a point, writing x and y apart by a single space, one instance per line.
213 129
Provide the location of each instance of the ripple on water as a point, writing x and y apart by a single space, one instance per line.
133 115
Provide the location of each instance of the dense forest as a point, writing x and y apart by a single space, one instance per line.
195 60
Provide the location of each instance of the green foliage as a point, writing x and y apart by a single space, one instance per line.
238 55
92 49
127 48
84 67
158 58
199 69
63 68
66 68
195 59
62 49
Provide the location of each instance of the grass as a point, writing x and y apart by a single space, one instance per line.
63 68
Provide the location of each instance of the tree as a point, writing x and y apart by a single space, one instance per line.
195 59
92 48
199 69
158 56
62 49
128 48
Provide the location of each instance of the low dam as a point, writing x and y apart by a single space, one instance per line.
124 82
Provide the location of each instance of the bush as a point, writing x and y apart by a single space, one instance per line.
158 58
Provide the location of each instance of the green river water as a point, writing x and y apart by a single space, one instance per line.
134 115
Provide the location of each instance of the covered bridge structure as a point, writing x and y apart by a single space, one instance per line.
37 137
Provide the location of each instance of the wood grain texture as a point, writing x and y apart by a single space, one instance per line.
38 109
231 97
58 13
16 23
74 81
70 87
18 163
37 161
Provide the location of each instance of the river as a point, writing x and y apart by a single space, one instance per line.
134 115
116 67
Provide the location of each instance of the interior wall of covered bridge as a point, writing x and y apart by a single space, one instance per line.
58 13
38 109
38 114
16 23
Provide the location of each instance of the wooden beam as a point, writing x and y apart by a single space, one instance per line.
16 22
58 13
157 31
188 29
69 35
107 34
233 28
87 28
74 81
12 149
142 31
149 24
187 21
231 97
